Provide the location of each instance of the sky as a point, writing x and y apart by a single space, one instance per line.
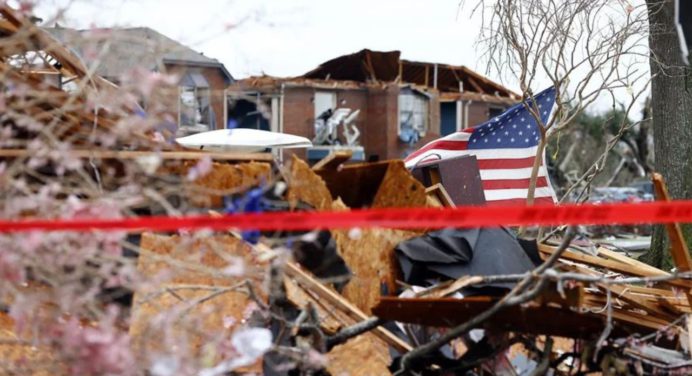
291 37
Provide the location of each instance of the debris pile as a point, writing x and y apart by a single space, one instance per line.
360 301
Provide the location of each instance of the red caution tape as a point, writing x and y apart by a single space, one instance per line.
654 212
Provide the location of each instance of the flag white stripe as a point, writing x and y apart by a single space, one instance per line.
507 194
503 153
458 136
509 174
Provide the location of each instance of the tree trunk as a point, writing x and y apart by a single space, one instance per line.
671 95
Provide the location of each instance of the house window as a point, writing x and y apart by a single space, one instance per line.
196 114
324 101
413 115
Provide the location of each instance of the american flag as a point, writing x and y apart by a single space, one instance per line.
505 147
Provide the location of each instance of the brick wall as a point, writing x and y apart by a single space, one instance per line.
378 120
299 113
478 113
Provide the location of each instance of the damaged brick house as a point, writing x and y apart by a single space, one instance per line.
198 104
402 103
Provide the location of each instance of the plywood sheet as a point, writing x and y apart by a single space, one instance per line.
369 253
364 355
186 317
23 359
399 189
181 259
183 274
304 185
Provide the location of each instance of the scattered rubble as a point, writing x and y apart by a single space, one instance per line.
351 301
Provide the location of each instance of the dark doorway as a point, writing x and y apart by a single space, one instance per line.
448 118
244 113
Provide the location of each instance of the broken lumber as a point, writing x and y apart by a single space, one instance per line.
310 283
135 154
333 160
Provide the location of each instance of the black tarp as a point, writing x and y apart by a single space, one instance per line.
454 253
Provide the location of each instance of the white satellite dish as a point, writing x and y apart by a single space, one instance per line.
243 139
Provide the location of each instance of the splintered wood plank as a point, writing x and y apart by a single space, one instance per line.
440 194
333 160
329 319
304 279
641 293
621 292
617 256
613 265
71 63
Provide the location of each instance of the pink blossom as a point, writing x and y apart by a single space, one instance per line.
26 7
6 133
145 81
200 169
249 310
316 360
235 268
11 268
95 350
249 344
229 321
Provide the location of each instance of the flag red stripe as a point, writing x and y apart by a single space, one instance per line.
521 201
442 145
494 164
513 184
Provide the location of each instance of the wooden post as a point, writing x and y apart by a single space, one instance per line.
427 75
678 246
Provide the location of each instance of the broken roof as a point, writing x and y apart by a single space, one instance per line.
121 49
367 65
363 65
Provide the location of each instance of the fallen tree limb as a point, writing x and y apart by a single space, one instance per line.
353 331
